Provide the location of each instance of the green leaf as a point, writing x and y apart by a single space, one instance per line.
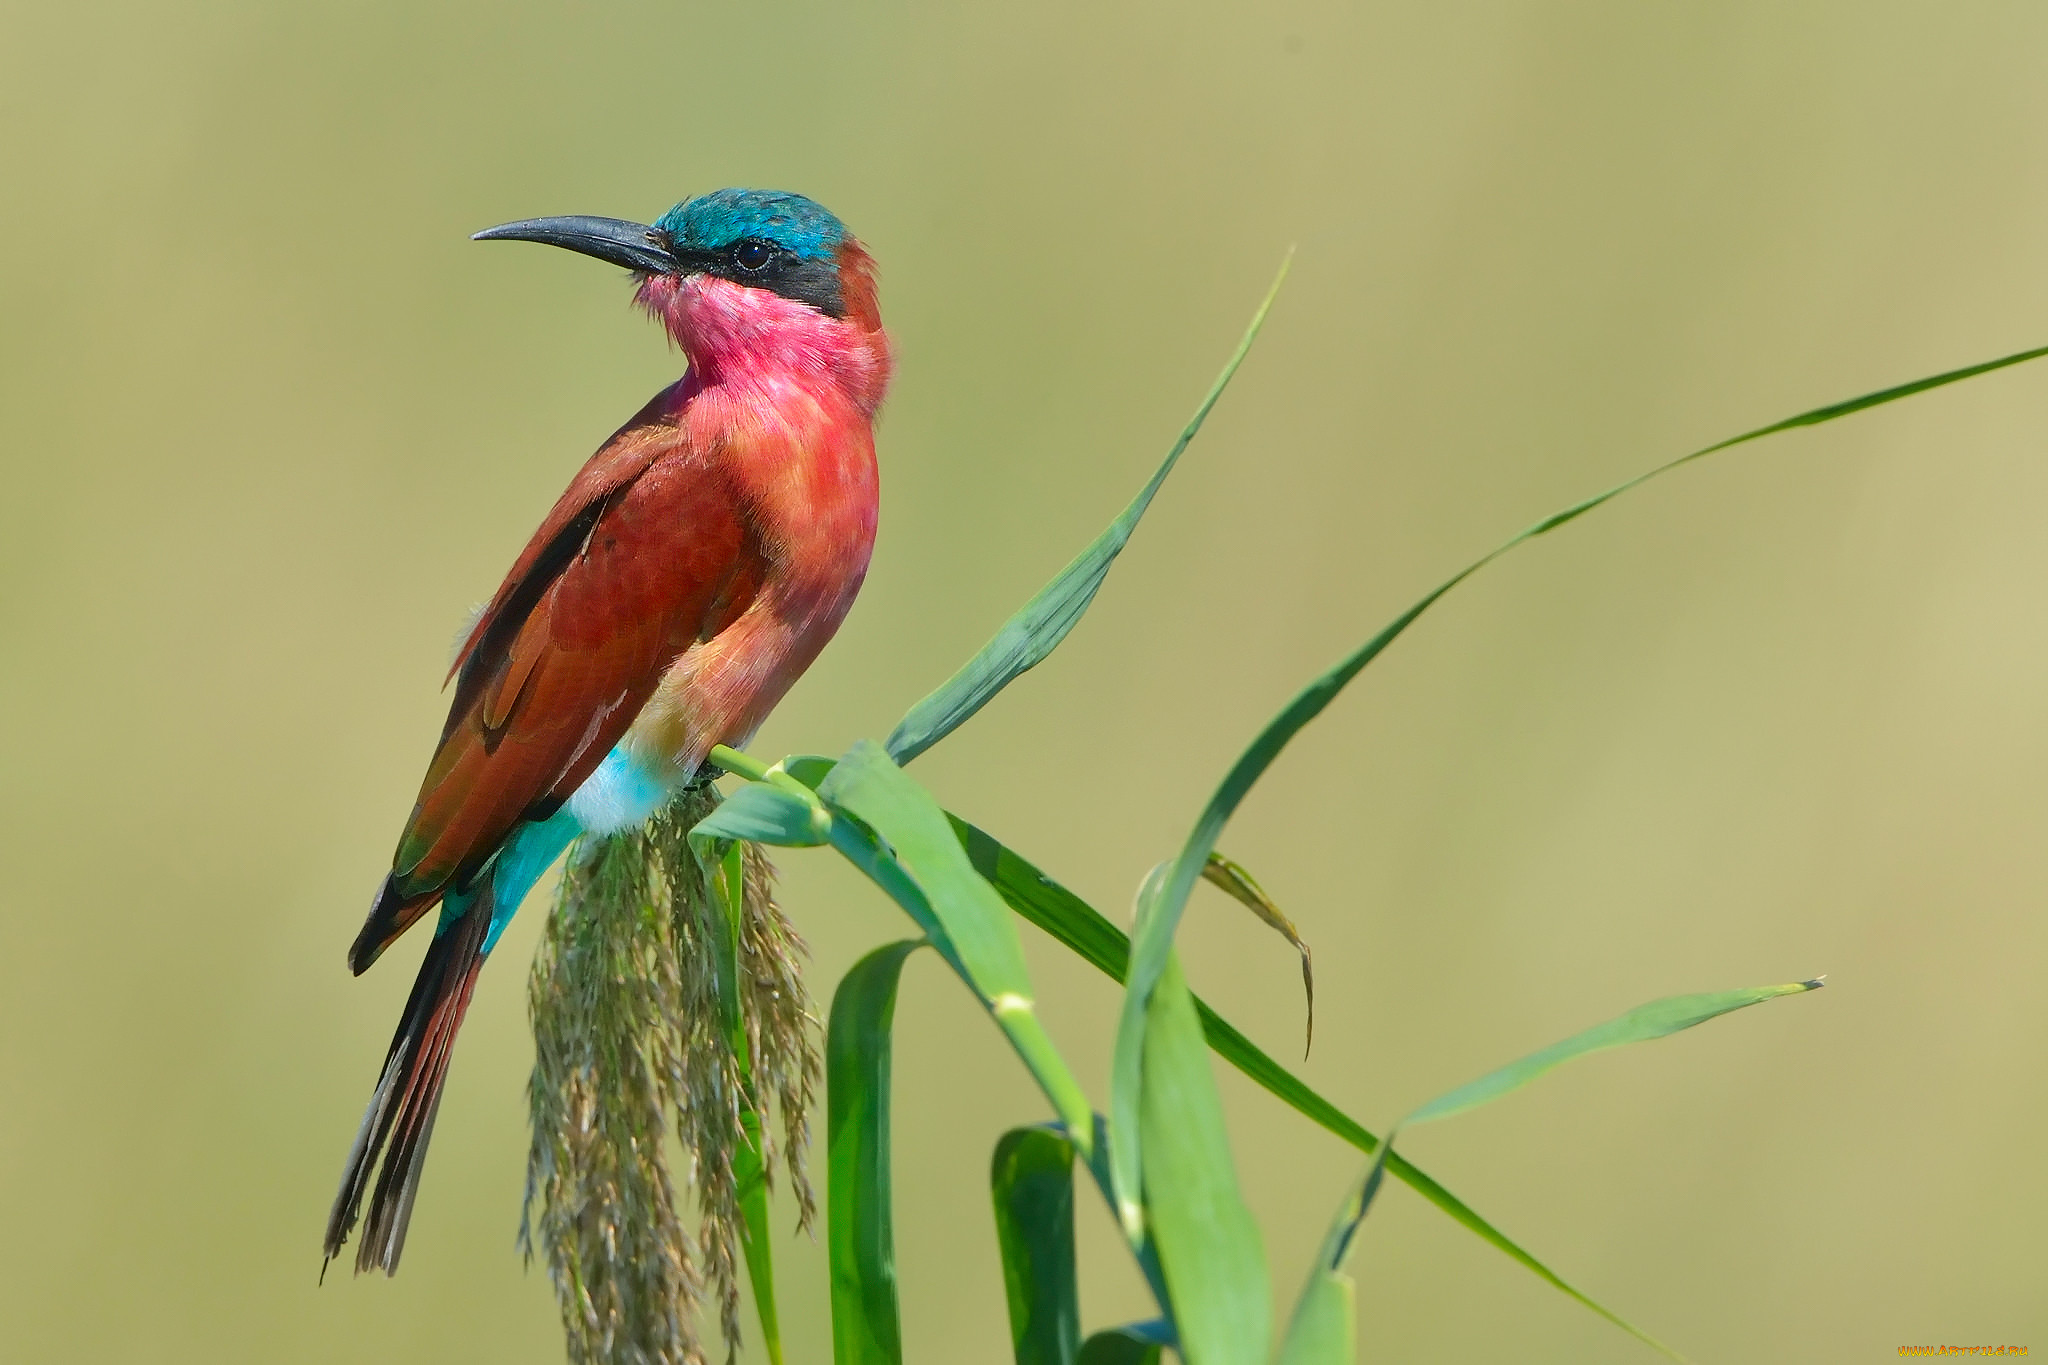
728 877
750 1179
1082 928
1037 629
1137 1343
1208 1243
1149 958
1324 1328
809 769
1031 1180
1145 1252
859 1232
900 838
764 814
1243 888
750 1176
1043 901
1658 1019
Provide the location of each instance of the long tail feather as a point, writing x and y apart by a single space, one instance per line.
400 1118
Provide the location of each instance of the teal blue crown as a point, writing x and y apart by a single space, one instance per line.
713 222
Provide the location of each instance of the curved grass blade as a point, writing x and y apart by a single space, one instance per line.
921 865
1644 1023
898 836
750 1179
1031 1180
1038 627
860 1234
1658 1019
809 769
727 879
1092 937
1243 888
1145 1253
1137 1343
766 814
1324 1327
750 1173
1149 958
1208 1243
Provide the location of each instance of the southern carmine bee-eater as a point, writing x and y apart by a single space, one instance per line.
694 568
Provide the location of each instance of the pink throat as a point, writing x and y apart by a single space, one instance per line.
735 334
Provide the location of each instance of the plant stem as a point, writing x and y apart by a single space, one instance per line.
739 764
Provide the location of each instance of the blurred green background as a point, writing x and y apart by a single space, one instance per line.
271 424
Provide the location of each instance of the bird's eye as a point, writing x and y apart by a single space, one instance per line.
752 255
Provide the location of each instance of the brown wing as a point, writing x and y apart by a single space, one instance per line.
622 577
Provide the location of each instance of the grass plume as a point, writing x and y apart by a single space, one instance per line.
631 1044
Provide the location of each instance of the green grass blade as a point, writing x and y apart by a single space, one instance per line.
1813 417
1149 958
765 814
859 1223
899 837
1031 1181
1039 626
1658 1019
809 769
1043 901
1208 1243
1137 1343
1324 1327
727 879
750 1176
934 881
1645 1023
1092 937
750 1180
1144 1252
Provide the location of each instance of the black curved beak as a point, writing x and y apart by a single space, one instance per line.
635 246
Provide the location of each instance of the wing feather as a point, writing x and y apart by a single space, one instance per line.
646 549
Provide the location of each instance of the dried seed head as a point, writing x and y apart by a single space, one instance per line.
631 1034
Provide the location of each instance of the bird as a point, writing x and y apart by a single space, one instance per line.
694 568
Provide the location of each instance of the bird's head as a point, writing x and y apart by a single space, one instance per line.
733 268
